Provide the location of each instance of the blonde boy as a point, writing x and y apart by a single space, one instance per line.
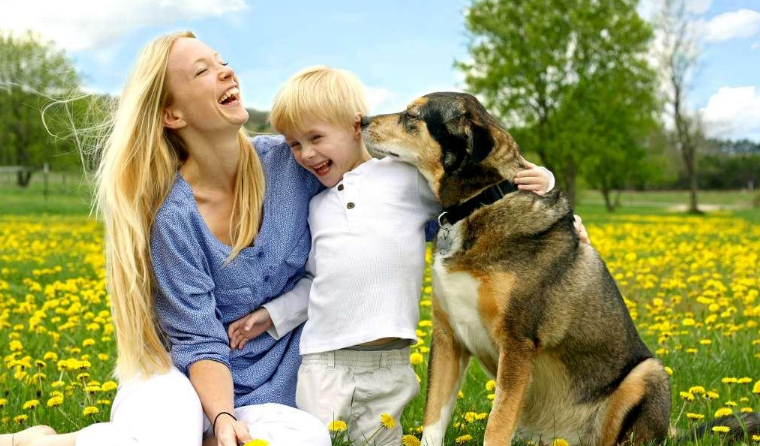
367 258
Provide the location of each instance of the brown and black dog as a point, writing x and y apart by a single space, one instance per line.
514 288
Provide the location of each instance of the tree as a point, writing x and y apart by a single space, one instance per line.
31 71
677 57
616 128
530 57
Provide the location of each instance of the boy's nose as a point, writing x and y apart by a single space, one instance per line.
366 120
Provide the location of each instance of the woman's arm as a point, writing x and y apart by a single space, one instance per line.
213 383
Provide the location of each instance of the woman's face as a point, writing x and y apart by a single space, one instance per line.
203 90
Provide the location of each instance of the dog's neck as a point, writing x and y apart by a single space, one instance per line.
490 195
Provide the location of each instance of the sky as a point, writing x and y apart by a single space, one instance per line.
400 49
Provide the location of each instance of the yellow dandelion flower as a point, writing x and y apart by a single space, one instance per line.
410 440
19 419
669 371
387 421
756 438
91 410
257 442
337 426
729 380
89 342
711 395
490 385
3 402
721 429
723 412
460 395
756 388
697 390
491 396
109 386
686 396
560 442
463 439
55 401
694 416
31 404
731 404
744 380
416 358
16 346
746 410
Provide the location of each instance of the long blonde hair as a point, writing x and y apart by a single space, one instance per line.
137 168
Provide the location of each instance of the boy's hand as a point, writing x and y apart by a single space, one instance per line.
248 327
581 230
533 178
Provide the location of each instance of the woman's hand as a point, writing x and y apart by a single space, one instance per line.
533 178
248 327
580 229
230 432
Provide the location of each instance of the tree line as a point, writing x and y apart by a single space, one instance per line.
575 81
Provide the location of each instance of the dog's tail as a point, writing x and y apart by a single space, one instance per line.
734 427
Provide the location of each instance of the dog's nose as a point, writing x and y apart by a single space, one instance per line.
366 120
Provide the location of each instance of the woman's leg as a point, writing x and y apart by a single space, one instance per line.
162 410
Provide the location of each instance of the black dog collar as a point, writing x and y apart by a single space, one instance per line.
491 195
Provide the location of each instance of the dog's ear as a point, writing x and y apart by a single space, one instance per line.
479 140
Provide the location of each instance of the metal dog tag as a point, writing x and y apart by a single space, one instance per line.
444 241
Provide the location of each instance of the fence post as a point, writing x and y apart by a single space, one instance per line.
45 176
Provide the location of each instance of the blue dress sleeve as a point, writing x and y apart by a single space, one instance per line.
185 302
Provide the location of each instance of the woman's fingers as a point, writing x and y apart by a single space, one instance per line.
241 431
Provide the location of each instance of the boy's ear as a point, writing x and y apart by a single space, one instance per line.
358 126
173 119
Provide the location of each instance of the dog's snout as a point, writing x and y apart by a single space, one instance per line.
366 120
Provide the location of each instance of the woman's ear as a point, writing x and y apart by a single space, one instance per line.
173 119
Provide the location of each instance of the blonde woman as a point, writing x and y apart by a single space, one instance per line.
204 226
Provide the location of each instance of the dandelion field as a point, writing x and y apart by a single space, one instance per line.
692 285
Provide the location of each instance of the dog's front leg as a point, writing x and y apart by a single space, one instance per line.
448 361
512 379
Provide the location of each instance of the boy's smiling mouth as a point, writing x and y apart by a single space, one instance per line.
322 168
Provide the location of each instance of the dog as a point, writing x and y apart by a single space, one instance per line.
514 287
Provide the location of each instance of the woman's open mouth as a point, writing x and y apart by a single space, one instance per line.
230 97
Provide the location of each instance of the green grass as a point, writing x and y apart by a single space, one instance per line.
51 247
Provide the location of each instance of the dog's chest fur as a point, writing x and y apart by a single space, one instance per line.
456 293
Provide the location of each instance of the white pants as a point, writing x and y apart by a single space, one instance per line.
358 387
164 410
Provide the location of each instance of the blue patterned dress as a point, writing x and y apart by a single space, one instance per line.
198 298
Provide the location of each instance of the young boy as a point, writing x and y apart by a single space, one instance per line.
367 257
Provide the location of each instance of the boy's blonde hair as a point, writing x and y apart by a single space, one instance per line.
318 93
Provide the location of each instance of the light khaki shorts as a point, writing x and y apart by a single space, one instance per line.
358 387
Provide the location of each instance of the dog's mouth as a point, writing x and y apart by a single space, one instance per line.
382 152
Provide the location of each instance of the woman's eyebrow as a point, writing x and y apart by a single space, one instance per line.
204 58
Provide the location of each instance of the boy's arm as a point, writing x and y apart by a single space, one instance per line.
289 310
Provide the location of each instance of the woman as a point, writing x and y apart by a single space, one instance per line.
202 230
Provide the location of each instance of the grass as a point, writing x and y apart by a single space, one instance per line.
691 284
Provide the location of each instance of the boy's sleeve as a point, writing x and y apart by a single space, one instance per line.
289 310
552 182
185 301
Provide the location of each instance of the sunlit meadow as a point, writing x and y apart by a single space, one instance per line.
691 284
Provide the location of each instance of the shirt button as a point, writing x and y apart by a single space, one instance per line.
340 187
266 278
350 205
260 254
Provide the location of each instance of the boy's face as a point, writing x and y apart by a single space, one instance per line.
327 150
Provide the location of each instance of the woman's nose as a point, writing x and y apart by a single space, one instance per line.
226 72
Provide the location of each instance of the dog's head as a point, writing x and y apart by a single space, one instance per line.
451 139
